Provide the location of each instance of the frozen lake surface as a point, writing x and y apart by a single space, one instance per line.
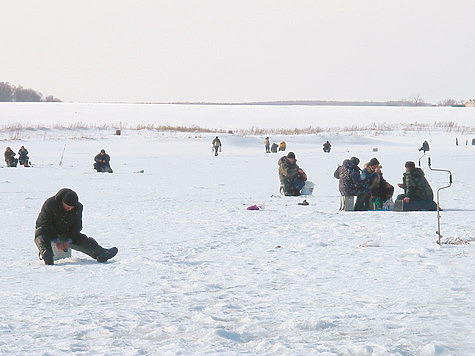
197 273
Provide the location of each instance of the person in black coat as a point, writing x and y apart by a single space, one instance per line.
101 163
23 156
424 147
60 221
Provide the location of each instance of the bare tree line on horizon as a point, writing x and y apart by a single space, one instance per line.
11 93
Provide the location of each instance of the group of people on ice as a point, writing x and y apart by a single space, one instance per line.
373 192
101 160
282 146
368 185
12 161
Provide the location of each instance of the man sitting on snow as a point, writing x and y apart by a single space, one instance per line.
101 163
418 194
23 156
60 222
292 178
10 159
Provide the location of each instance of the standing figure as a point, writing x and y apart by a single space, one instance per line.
216 145
424 147
101 162
282 146
327 147
267 144
10 159
350 182
60 222
292 177
23 156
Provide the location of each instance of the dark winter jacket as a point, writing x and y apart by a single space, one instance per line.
53 220
23 154
425 146
9 156
369 179
349 175
288 173
216 142
416 186
99 158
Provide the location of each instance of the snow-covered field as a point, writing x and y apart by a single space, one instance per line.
197 273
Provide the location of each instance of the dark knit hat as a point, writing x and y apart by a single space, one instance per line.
373 162
355 160
410 165
291 155
70 198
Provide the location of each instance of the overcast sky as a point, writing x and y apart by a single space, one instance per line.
229 51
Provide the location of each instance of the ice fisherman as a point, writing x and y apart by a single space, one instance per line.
23 156
282 146
60 222
10 159
216 145
418 194
380 190
267 144
424 147
292 177
370 178
350 182
327 147
102 162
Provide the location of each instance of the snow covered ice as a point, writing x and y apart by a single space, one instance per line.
198 273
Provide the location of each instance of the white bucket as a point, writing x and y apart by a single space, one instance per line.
60 254
307 188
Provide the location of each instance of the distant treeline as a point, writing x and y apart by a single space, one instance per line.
10 93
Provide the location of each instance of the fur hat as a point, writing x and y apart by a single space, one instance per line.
373 162
70 198
291 155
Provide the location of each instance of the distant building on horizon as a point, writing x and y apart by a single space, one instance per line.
470 103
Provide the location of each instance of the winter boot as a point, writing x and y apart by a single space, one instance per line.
107 254
45 250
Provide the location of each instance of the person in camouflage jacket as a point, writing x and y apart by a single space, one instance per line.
349 175
10 159
292 177
415 184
